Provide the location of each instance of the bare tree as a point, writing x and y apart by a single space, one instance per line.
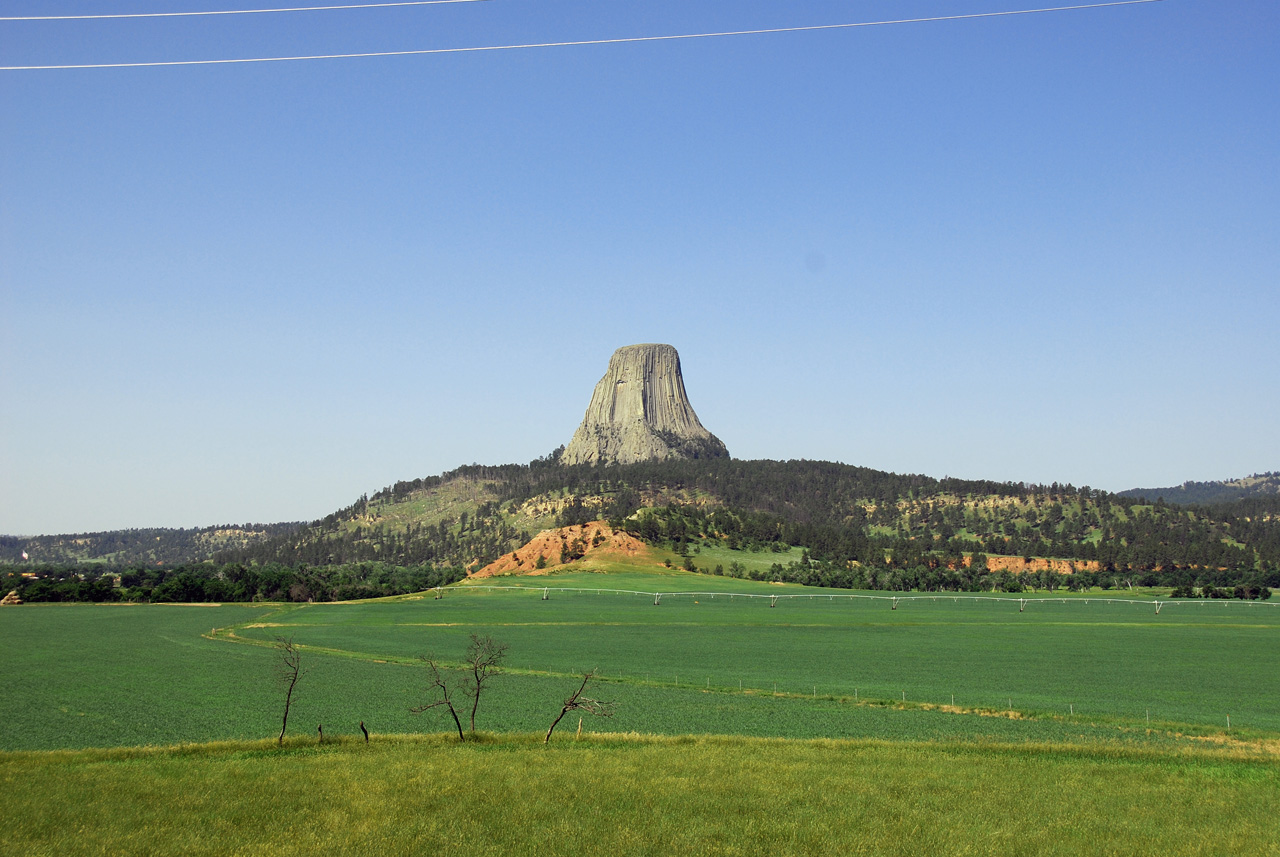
441 687
484 657
578 702
288 671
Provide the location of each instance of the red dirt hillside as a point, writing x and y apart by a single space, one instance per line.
596 539
1018 564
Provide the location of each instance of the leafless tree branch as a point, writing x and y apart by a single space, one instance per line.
288 672
578 702
441 688
484 657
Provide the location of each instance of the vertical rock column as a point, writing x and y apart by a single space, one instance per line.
640 411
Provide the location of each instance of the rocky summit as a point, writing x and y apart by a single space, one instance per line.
640 411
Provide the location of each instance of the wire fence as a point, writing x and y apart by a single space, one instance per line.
894 601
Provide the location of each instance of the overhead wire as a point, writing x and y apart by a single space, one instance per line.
582 42
112 16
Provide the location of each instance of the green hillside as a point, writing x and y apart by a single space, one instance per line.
839 514
148 546
816 523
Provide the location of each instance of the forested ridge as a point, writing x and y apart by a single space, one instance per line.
895 530
839 511
146 546
1209 493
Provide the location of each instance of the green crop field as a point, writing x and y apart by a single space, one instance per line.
942 723
786 662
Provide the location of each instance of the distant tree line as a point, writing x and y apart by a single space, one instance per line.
977 577
213 582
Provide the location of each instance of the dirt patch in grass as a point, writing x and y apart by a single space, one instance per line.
1266 746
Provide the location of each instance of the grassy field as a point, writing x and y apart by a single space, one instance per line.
752 718
634 795
708 663
709 556
1063 656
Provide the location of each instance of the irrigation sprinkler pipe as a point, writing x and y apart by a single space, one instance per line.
1022 601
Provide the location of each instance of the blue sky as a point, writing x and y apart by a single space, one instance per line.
1040 247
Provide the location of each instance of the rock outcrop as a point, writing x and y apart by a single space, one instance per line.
640 411
552 550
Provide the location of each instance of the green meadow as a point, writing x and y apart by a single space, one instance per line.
638 795
751 718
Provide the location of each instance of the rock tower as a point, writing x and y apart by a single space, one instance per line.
640 411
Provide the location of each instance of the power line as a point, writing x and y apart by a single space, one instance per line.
233 11
618 41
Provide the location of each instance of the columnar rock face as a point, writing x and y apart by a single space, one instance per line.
640 411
